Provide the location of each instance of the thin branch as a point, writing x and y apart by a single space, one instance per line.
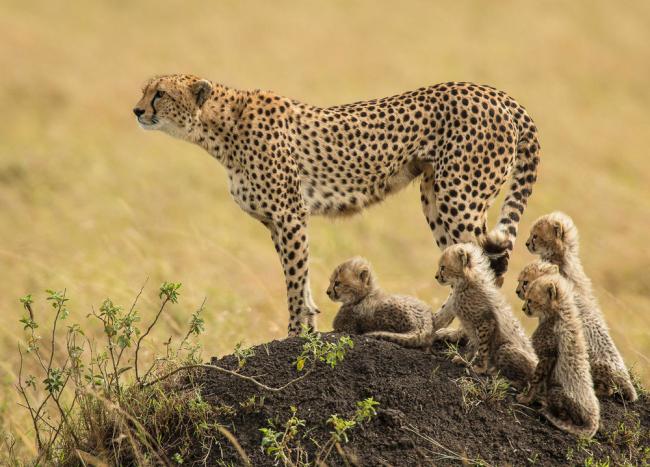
133 305
230 437
53 342
145 334
228 372
189 331
22 392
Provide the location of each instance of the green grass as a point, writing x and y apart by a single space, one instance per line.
92 203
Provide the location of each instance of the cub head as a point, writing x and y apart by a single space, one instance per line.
463 261
169 103
532 271
351 281
545 296
552 236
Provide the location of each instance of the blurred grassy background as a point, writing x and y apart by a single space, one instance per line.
91 203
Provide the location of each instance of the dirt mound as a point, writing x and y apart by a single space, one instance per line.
430 412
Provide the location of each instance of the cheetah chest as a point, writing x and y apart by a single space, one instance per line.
243 193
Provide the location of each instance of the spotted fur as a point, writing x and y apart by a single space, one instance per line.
287 160
496 338
368 310
562 379
555 238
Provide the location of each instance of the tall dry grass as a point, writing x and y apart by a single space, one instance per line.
91 203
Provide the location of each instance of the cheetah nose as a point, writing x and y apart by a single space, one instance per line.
528 244
437 277
138 111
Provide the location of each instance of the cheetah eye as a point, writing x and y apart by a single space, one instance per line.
159 94
524 283
336 283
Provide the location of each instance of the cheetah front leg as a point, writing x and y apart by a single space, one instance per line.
484 335
289 233
445 315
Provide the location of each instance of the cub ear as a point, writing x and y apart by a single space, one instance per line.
558 229
551 290
201 91
364 275
555 269
463 256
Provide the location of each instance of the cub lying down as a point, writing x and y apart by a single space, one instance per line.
370 311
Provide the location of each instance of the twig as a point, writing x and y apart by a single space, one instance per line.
229 372
137 347
32 413
230 437
135 302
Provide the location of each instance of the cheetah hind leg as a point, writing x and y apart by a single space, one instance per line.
623 385
602 376
515 365
413 339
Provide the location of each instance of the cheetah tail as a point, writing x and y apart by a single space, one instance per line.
500 241
413 339
587 430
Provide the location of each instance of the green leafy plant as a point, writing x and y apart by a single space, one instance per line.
284 443
91 393
243 354
317 350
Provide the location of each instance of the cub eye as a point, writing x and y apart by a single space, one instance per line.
336 283
159 94
525 283
442 268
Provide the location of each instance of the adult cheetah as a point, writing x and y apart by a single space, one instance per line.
287 160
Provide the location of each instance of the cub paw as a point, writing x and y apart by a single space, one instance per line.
480 369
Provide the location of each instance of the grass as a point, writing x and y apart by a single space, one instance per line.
92 203
88 402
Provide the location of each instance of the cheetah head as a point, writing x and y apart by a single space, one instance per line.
351 281
463 261
172 103
532 271
545 295
552 236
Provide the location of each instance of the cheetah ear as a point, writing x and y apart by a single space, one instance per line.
558 229
551 290
201 90
364 276
555 269
464 258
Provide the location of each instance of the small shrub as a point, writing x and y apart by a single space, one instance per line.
476 391
317 350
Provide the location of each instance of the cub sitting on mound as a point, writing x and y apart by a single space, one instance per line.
368 310
554 237
496 338
562 379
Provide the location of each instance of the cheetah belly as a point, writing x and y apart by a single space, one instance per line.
348 196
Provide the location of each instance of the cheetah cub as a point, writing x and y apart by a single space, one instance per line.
370 311
533 270
496 339
562 379
554 237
